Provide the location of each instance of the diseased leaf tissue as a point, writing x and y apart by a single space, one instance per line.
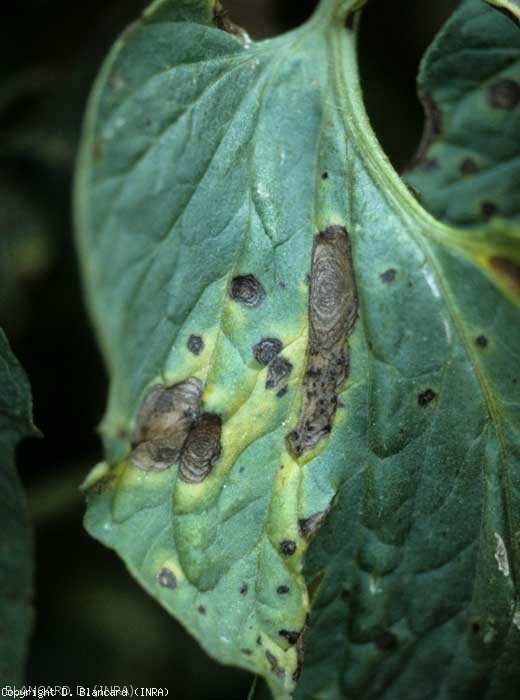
335 379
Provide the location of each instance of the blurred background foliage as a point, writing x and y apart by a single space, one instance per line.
93 624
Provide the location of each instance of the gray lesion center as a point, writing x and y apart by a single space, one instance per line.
173 429
333 308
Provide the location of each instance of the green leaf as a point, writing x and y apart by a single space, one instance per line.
16 567
468 167
290 335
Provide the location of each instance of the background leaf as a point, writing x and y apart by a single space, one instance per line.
468 166
15 539
199 142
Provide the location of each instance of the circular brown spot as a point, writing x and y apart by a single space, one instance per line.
287 547
504 94
247 291
388 275
387 641
167 578
488 209
266 350
426 397
481 341
468 166
195 344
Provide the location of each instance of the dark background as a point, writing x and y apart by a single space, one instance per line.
93 623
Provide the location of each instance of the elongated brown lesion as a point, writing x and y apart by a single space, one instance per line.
333 307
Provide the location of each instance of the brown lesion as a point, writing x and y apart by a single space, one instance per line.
508 270
333 307
172 429
201 449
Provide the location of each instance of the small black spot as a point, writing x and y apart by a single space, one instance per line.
426 397
247 291
273 663
387 641
282 391
259 640
287 547
324 175
504 94
195 344
475 627
488 209
266 350
291 637
246 652
308 526
278 372
388 276
167 579
244 589
201 609
283 590
481 341
345 594
468 166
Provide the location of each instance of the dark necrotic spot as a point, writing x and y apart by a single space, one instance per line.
195 344
279 372
287 547
282 590
164 421
468 166
167 579
488 209
481 341
504 94
244 589
475 627
290 636
426 397
282 391
387 641
246 652
259 641
201 609
266 350
247 291
388 275
201 449
273 663
308 526
324 175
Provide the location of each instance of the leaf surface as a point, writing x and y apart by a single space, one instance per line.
15 539
468 166
232 193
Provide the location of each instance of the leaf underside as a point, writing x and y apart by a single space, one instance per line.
249 253
15 538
